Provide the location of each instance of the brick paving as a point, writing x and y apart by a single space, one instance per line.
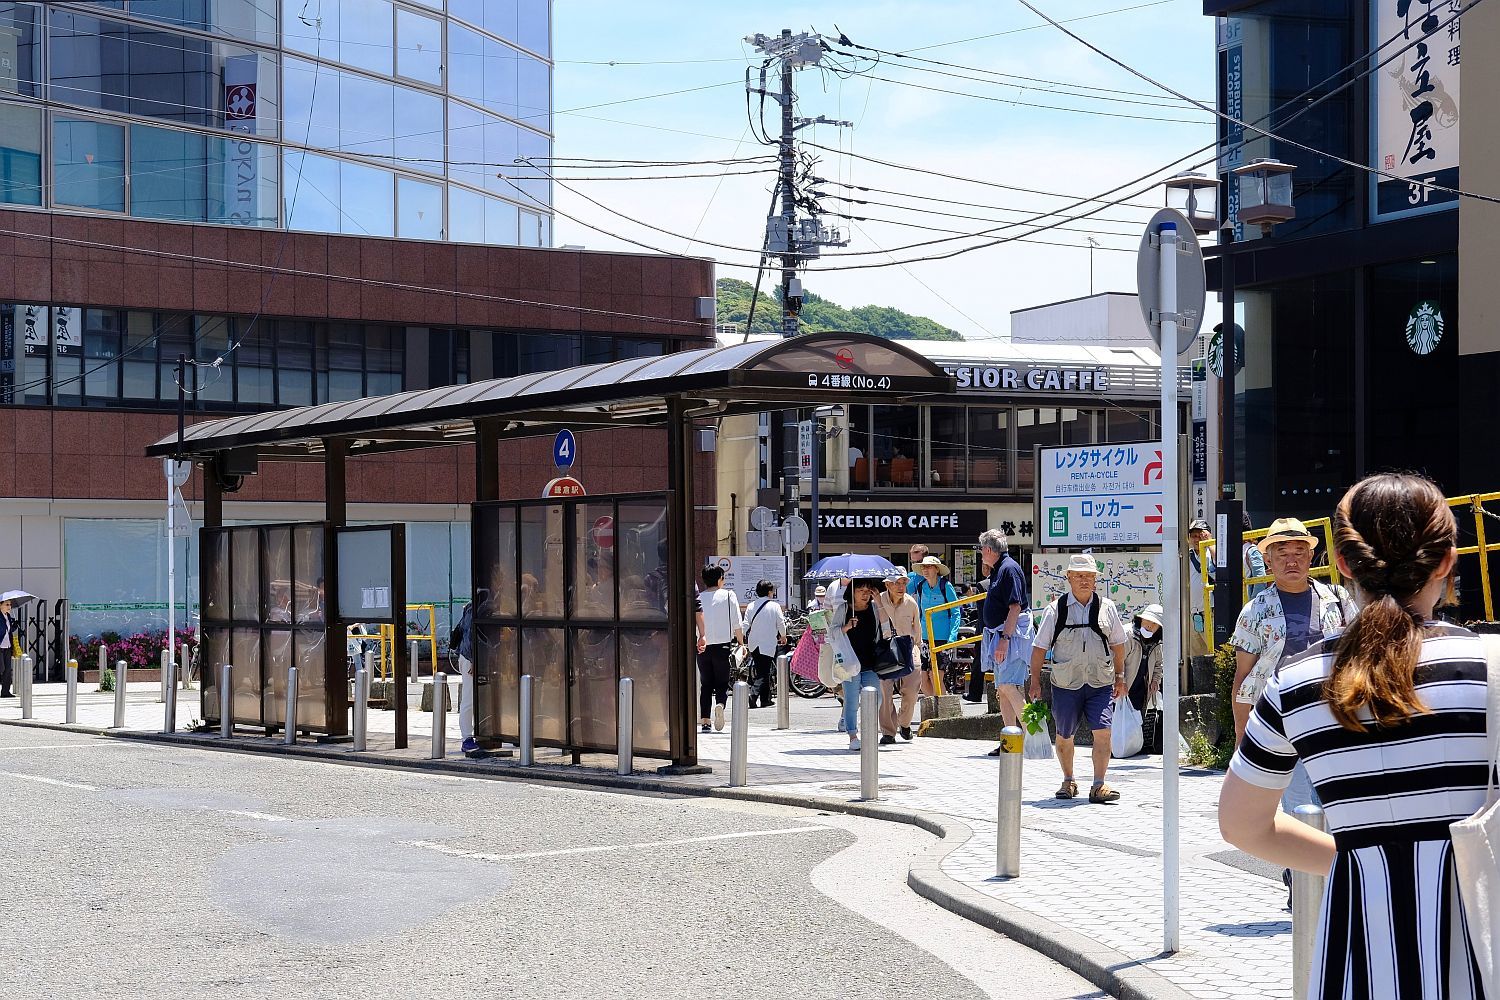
1093 869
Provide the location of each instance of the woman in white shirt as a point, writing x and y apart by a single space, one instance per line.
765 631
903 612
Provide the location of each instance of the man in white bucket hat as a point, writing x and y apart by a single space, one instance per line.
1084 632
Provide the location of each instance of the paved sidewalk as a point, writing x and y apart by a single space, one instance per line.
1092 870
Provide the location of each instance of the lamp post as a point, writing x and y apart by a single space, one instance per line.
1196 196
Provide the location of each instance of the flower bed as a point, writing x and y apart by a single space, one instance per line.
141 650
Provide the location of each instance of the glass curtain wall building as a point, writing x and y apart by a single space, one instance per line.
359 117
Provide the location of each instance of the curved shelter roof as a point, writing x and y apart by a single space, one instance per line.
811 370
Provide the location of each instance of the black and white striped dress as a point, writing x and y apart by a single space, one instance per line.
1392 922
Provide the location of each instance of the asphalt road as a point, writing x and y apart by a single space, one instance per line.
143 871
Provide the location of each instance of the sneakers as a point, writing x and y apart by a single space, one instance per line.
887 740
706 727
854 743
718 718
905 732
841 723
472 749
1000 749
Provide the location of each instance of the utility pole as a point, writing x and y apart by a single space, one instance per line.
788 152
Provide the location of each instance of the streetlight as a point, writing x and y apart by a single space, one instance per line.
1196 196
1265 193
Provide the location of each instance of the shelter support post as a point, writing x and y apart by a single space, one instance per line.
681 683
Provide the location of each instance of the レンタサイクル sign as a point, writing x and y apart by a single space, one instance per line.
1100 495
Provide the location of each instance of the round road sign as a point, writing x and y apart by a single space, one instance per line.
603 532
797 533
1191 281
564 450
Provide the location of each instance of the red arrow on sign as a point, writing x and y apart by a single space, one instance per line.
1155 518
1156 467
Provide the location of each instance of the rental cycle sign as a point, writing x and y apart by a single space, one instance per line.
1102 494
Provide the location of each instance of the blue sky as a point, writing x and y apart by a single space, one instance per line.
1008 140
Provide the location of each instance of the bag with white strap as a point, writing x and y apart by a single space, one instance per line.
1476 844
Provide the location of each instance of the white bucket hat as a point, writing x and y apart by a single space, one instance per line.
1152 613
1082 563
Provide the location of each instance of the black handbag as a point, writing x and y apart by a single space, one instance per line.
893 659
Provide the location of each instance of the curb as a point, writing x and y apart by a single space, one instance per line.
1120 976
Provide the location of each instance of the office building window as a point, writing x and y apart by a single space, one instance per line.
214 375
419 209
482 70
20 155
1033 427
896 437
191 177
115 66
544 352
88 164
1126 425
1077 426
247 20
329 108
385 356
337 196
356 33
419 47
22 73
138 359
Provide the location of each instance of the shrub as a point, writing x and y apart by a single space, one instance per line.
140 650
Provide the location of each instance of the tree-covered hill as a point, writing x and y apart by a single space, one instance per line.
820 314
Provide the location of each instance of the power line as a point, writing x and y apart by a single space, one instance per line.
1134 223
1458 192
1033 27
1027 104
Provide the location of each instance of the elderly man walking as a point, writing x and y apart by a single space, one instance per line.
1285 618
1084 632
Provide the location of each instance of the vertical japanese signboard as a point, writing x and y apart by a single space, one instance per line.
68 332
1100 495
241 172
1414 105
1232 99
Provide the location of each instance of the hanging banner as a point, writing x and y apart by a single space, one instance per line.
1414 107
67 332
241 180
36 330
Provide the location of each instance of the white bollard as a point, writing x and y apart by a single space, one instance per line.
1307 903
528 754
739 731
103 660
1008 810
411 664
289 737
120 668
226 701
166 663
169 687
784 691
184 668
361 708
625 728
24 683
439 714
869 744
70 706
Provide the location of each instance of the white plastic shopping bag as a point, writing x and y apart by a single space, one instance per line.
1038 745
845 663
1126 737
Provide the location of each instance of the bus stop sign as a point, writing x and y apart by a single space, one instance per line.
564 450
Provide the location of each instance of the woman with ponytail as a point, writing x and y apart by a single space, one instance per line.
1389 720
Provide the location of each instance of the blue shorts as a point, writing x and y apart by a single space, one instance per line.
1092 703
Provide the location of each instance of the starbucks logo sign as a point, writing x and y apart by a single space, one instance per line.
1424 327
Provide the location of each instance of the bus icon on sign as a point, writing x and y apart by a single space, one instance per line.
1057 521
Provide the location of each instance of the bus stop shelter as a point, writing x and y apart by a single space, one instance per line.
553 599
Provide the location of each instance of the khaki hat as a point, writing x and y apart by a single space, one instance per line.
1082 564
1287 529
820 591
934 561
1152 613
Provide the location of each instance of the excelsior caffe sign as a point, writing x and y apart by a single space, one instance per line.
932 524
1004 377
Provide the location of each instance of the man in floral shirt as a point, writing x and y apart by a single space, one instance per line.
1285 618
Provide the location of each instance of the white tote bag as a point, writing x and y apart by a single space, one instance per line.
1126 735
1476 845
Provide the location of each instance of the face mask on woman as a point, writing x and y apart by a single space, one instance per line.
1145 634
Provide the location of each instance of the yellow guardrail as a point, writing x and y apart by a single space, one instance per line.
1473 502
932 646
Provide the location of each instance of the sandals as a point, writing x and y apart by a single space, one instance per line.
1069 789
1102 794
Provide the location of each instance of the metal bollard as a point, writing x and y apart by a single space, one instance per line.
169 687
784 691
370 662
361 708
289 736
411 664
1307 902
70 706
528 757
183 668
226 701
869 744
1008 812
439 715
103 660
120 668
166 661
25 685
625 728
739 731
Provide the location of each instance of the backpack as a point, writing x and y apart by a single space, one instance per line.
1059 617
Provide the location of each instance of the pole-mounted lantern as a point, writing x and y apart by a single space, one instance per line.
1196 196
1265 193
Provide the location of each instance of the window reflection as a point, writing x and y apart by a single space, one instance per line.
88 164
419 47
419 209
989 448
20 155
897 442
20 22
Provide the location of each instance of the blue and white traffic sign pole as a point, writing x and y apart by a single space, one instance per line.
564 450
1171 571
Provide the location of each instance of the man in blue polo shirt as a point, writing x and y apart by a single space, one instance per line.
1002 612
